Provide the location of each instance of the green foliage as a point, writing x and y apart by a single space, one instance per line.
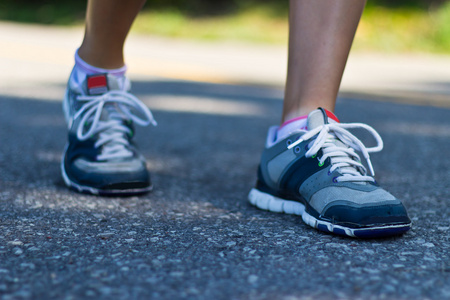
441 28
207 8
72 11
387 25
43 11
408 4
405 29
251 25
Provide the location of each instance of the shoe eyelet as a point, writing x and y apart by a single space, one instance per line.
335 180
329 173
288 142
314 156
297 149
321 164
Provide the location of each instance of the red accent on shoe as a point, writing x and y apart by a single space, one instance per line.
332 116
97 81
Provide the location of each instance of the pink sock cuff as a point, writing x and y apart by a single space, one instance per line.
89 69
292 120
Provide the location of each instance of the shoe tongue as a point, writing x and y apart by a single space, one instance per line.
321 117
99 84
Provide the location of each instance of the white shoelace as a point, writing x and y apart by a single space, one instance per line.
346 159
111 132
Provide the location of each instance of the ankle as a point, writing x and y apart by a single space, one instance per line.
101 59
90 69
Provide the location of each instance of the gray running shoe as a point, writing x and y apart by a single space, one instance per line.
318 174
100 157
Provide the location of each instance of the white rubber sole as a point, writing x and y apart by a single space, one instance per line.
271 203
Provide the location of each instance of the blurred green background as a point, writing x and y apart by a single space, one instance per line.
386 26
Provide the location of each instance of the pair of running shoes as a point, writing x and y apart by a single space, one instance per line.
315 173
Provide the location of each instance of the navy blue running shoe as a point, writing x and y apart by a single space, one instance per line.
316 173
100 157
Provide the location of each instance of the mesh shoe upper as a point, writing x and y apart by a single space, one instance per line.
320 168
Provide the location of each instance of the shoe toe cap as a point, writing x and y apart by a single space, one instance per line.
352 206
110 176
349 215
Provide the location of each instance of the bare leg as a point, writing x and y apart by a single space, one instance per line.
107 25
320 38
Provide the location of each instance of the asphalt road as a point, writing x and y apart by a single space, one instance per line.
195 236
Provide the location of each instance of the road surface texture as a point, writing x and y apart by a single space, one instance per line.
196 236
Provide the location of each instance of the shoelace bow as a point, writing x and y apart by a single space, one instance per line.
111 132
342 157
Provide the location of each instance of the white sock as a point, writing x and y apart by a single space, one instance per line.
291 126
83 69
